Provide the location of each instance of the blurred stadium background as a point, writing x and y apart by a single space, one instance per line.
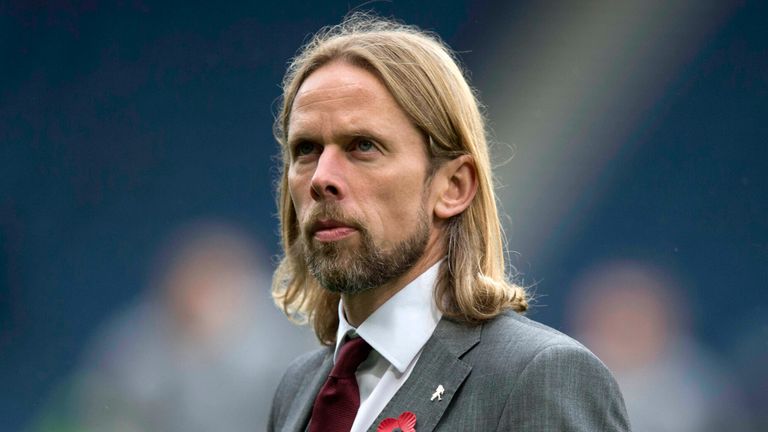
631 146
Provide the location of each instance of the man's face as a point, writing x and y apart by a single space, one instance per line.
358 180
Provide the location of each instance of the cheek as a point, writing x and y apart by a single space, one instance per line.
400 203
295 188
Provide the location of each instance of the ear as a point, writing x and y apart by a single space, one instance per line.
457 188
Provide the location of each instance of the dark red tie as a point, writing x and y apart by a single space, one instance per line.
339 399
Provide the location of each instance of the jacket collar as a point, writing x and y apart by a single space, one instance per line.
440 364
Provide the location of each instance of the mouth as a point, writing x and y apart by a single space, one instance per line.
328 230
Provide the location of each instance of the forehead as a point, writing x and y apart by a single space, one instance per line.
336 81
340 84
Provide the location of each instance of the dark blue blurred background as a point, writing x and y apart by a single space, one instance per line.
121 121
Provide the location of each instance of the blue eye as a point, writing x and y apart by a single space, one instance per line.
304 148
365 145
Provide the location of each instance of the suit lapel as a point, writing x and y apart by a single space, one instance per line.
301 410
439 364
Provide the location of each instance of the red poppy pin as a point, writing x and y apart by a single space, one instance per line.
405 423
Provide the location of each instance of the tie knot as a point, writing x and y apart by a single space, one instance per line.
351 354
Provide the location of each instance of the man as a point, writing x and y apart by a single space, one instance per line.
393 252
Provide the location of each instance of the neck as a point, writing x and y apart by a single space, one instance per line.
358 307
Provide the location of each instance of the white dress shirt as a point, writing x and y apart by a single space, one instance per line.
397 331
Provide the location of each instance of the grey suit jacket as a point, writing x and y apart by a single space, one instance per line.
508 374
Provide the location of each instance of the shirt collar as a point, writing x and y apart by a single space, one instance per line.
399 328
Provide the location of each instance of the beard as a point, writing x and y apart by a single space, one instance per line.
354 269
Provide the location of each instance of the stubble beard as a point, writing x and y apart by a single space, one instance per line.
355 269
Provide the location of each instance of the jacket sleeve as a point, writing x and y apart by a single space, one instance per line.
275 413
565 387
296 392
285 395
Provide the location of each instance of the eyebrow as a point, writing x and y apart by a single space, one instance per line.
302 135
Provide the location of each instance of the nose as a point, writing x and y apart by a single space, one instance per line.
327 180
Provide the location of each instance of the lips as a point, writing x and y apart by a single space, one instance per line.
331 230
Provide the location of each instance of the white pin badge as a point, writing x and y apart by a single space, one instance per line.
438 394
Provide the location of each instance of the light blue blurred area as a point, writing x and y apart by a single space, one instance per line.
630 132
201 349
636 317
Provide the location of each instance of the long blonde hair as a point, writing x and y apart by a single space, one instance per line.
424 77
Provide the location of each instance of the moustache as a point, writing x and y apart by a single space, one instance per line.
325 214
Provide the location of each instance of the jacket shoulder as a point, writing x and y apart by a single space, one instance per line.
552 381
523 334
515 346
